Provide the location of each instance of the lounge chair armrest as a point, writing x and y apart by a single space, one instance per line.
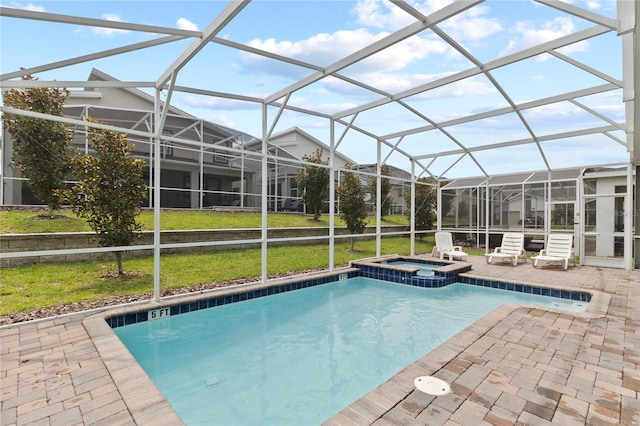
497 249
457 248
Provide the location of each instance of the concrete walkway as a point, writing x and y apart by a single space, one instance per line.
517 365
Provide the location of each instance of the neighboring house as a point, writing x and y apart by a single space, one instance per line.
292 144
196 170
196 174
400 181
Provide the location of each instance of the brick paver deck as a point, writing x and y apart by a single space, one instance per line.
517 365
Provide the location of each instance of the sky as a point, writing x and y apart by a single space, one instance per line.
320 33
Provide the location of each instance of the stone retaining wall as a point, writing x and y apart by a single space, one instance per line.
11 243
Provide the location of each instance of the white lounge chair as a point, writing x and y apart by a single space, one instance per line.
512 249
559 248
444 247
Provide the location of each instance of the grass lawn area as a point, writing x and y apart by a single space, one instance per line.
27 288
33 287
23 221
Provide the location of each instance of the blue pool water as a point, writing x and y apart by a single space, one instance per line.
425 269
299 357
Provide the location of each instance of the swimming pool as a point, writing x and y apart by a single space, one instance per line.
301 356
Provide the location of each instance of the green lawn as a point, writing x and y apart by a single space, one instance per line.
21 221
31 287
26 288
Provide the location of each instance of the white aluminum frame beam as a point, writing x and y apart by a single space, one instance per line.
507 110
226 16
91 22
396 37
24 84
91 57
497 63
525 141
580 13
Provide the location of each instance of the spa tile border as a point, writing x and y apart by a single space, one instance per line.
446 272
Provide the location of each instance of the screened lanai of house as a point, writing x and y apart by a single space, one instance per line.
587 203
443 90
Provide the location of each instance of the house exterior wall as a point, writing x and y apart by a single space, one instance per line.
294 144
191 176
180 163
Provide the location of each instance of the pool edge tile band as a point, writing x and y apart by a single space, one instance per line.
578 296
223 299
446 274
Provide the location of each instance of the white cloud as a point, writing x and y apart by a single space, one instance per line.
529 35
471 25
582 46
381 15
594 5
403 54
220 119
213 103
33 8
320 49
329 108
108 32
185 24
609 103
325 49
395 83
553 111
602 6
612 111
322 107
29 6
468 25
218 103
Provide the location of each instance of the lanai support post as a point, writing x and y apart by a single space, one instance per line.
155 172
636 220
264 189
486 214
635 157
412 220
629 22
332 195
439 206
378 196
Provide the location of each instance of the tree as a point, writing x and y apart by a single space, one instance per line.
426 203
313 182
42 148
353 207
110 189
385 190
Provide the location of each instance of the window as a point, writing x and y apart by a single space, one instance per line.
166 149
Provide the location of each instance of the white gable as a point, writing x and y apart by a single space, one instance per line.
299 143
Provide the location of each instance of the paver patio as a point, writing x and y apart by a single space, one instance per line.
517 365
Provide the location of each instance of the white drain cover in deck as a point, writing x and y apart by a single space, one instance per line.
432 385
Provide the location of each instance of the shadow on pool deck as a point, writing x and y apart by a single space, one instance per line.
515 365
